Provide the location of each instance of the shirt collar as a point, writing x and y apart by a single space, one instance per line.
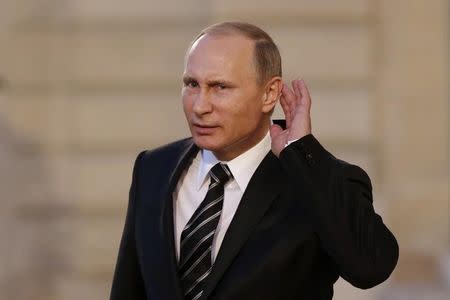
242 167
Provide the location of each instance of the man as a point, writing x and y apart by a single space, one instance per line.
245 209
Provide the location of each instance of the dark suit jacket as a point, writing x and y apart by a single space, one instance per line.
305 219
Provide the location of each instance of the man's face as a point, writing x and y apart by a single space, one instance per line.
222 99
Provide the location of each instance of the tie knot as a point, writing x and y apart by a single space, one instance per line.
220 173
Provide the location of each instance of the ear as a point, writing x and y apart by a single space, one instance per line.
272 93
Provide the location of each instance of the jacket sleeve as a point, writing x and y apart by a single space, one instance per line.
338 197
127 281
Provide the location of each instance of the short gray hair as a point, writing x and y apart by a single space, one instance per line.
267 56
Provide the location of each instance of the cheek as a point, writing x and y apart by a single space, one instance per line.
187 103
248 110
242 116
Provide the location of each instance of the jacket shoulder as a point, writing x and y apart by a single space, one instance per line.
168 152
315 156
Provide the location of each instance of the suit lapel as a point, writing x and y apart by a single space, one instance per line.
264 186
184 162
161 255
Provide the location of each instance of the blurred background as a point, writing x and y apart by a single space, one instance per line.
87 84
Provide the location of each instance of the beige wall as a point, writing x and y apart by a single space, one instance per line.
87 84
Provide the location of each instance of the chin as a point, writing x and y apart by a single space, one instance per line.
207 142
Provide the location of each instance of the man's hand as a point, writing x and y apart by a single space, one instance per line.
296 106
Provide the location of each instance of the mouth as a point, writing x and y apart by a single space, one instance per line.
204 129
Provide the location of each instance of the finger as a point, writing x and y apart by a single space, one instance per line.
289 99
306 99
297 91
286 110
288 93
289 96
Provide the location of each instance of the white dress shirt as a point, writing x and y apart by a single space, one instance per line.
193 186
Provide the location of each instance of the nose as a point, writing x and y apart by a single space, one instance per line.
202 103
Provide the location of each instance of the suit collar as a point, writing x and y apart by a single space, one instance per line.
242 167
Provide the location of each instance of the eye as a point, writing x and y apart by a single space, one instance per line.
191 83
221 86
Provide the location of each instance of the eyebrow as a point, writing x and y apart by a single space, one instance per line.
188 78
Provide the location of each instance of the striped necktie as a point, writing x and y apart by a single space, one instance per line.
195 262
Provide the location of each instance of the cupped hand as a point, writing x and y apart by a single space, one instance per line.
296 104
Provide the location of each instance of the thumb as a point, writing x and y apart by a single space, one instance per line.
275 130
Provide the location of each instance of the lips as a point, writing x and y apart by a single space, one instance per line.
204 129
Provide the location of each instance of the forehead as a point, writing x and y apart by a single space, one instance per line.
221 55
